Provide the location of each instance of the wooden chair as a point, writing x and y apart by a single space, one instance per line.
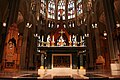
100 62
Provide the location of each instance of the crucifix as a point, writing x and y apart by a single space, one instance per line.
61 32
61 41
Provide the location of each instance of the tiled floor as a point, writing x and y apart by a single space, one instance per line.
34 75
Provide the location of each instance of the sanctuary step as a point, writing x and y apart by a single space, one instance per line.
33 75
63 78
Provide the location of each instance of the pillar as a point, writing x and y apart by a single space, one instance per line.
24 49
116 47
89 53
1 41
13 11
19 44
32 51
97 39
110 23
42 60
81 59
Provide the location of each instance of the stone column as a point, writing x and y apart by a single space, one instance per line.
32 51
89 53
42 59
109 15
116 48
13 11
97 39
19 46
1 41
24 49
81 59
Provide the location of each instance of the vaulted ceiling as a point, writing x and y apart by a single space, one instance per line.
25 15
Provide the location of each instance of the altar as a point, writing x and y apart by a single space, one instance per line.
61 57
61 50
61 61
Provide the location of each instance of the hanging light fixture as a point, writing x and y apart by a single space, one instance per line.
35 35
57 25
86 35
105 33
94 25
28 25
118 25
4 24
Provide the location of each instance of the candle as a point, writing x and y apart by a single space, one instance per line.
42 38
80 38
83 37
48 38
75 37
53 37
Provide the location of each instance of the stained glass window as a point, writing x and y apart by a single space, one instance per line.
43 7
71 9
79 7
61 9
51 9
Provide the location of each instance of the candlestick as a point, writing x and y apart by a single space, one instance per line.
53 38
70 38
42 38
83 37
70 42
48 38
80 38
48 41
42 41
81 41
75 38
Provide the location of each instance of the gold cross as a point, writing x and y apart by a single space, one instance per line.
61 32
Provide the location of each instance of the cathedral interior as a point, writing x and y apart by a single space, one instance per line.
57 34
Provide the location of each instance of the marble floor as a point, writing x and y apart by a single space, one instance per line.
90 75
